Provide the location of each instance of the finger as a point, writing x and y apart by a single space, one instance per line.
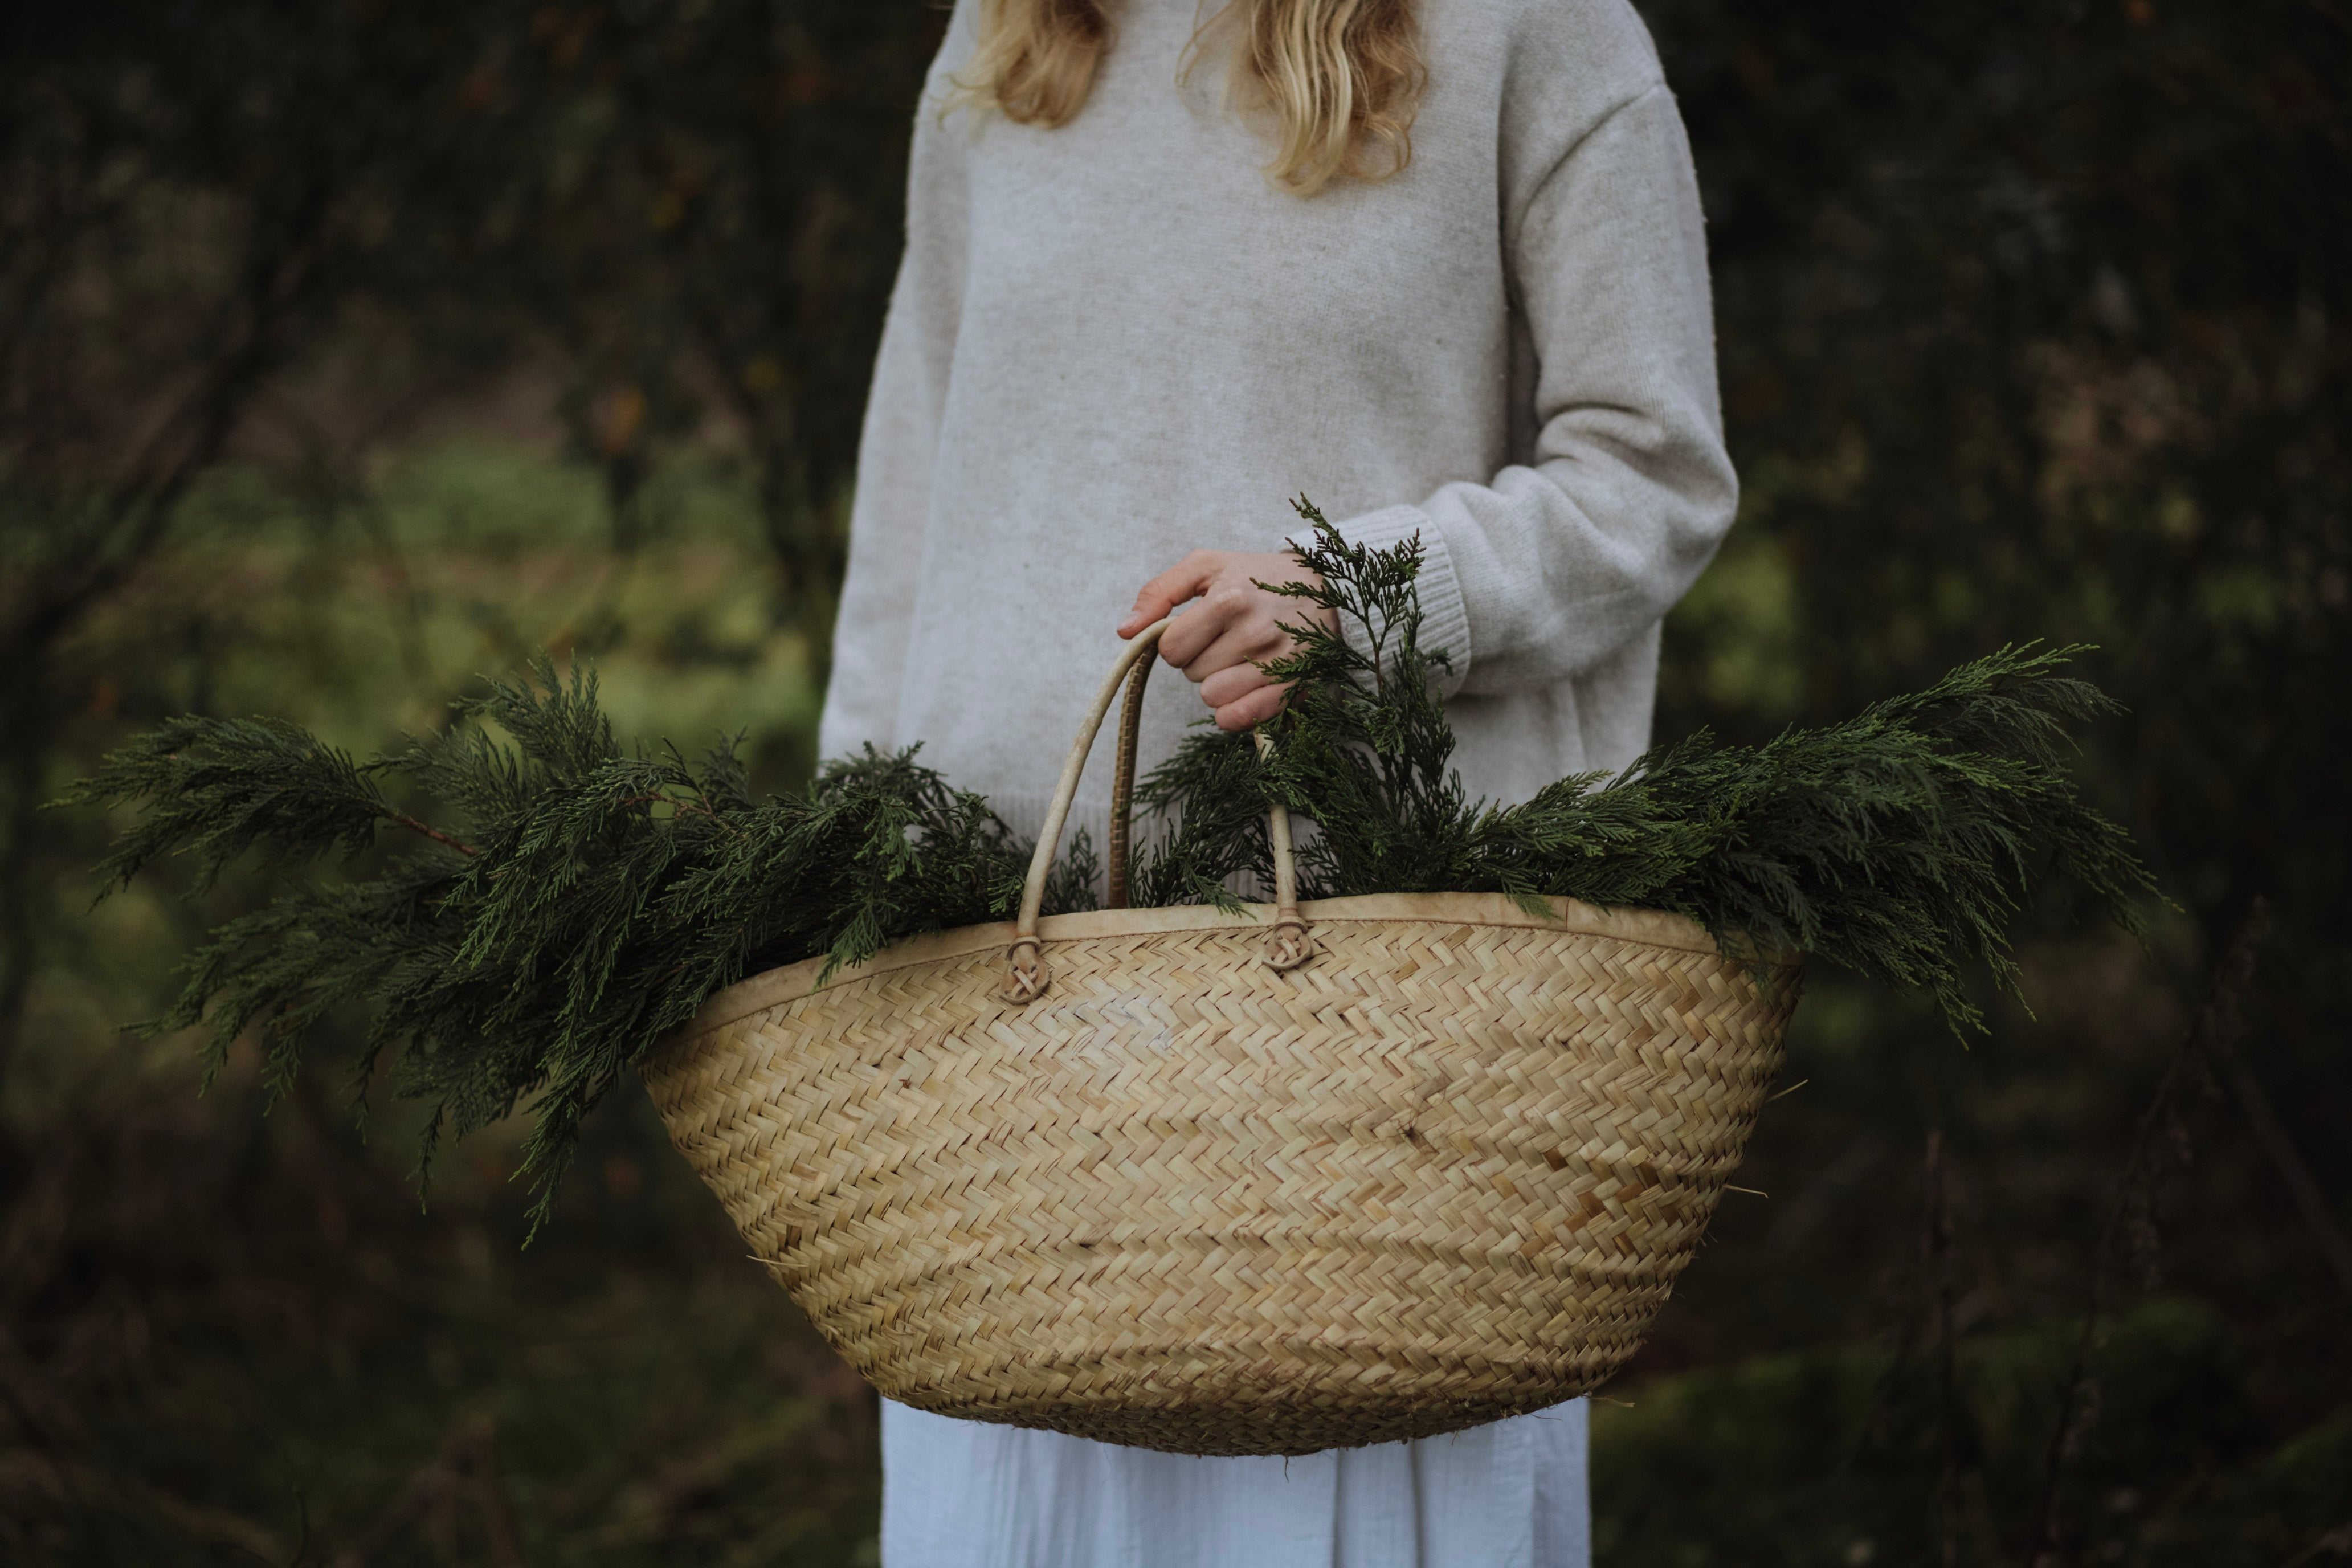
1250 638
1252 710
1220 607
1185 580
1231 684
1203 622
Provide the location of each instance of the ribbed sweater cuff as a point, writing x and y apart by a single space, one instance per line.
1445 620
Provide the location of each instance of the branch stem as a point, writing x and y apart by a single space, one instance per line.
400 820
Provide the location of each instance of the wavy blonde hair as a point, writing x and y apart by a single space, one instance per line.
1340 78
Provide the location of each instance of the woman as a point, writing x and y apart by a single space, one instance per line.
1436 264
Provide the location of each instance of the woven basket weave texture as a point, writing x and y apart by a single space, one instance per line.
1446 1172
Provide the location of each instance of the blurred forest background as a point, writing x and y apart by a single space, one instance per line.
349 349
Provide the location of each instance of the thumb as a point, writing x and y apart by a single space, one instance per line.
1172 587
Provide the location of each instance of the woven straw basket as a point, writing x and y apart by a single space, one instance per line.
1424 1160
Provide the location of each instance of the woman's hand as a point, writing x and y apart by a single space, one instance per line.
1220 641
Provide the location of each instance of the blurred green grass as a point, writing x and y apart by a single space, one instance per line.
463 560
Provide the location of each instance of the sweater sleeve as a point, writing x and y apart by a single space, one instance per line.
899 446
1538 574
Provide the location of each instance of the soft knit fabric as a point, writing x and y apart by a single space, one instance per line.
1116 342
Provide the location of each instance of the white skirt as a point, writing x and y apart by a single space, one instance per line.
967 1494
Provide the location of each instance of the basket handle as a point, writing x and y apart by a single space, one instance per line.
1027 976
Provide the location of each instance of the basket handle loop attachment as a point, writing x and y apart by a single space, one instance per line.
1027 974
1288 946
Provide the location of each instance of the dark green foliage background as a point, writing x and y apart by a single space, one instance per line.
2033 321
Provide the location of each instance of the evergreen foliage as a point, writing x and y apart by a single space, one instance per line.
1898 843
581 907
575 904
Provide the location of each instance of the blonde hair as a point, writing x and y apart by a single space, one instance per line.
1340 78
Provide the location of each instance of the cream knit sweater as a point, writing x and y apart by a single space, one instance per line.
1116 342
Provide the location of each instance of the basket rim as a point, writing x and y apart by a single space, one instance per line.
775 987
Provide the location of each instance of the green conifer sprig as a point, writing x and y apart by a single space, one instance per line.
564 906
223 789
583 905
1899 843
